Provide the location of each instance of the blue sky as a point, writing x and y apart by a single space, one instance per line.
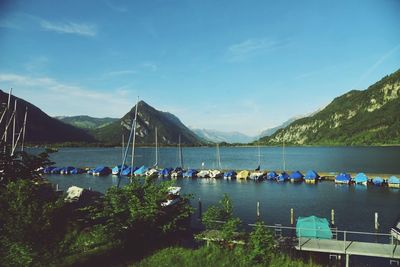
226 65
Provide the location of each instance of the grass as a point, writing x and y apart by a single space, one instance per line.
211 256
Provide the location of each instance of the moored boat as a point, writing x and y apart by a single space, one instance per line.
343 178
151 173
257 176
216 174
165 173
101 171
191 173
394 182
378 181
173 196
243 175
141 171
272 175
311 177
296 177
230 175
204 174
361 178
283 177
177 173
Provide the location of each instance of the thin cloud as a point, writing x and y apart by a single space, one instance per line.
49 93
120 9
376 65
252 47
121 72
151 66
83 29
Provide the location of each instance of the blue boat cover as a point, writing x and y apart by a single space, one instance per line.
56 170
102 170
313 227
190 173
48 169
344 177
127 171
296 175
141 171
361 178
272 175
377 180
283 177
311 175
166 172
394 180
230 173
77 171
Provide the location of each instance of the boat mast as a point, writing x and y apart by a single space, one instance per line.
134 136
122 149
126 150
6 128
283 155
180 152
14 125
259 154
24 129
218 157
156 164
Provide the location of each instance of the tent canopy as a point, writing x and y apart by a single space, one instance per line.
313 227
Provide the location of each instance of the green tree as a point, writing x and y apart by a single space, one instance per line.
216 215
135 212
261 247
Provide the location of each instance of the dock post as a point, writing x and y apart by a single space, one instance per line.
200 209
376 222
333 217
57 188
347 260
291 216
258 210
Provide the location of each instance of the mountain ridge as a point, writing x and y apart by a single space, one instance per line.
358 117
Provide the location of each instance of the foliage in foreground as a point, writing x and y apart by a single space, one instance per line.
212 256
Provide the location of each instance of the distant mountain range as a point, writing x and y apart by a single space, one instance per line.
220 136
169 128
86 122
368 117
40 127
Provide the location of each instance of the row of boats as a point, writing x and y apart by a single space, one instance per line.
311 176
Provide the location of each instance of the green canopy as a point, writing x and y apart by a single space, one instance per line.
313 227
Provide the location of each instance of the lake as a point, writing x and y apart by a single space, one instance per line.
354 205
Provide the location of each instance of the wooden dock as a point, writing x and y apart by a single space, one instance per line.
391 251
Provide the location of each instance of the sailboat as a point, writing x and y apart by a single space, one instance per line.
132 134
153 172
257 175
178 171
283 177
217 173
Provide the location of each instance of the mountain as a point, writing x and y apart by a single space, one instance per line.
41 128
86 122
271 131
220 136
169 128
367 117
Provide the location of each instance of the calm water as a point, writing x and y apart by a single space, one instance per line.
354 205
